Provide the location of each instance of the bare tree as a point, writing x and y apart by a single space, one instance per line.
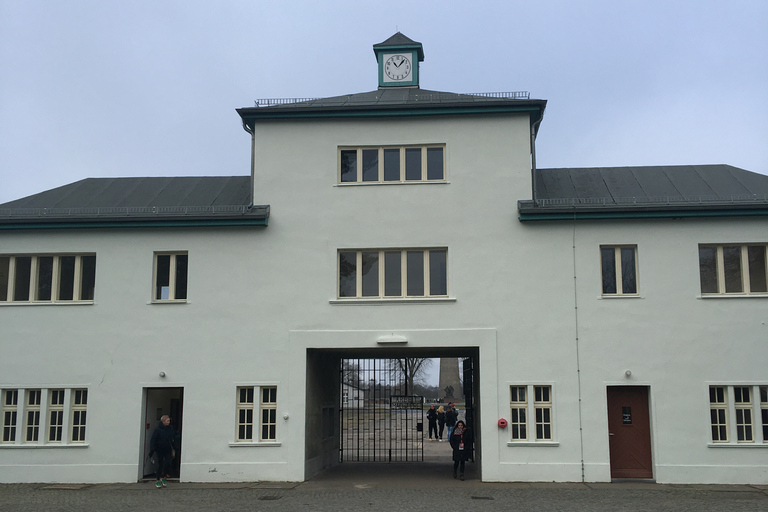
414 369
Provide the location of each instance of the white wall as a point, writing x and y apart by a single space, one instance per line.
258 298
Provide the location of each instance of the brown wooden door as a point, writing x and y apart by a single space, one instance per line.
629 430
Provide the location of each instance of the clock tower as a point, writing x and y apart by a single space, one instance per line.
398 59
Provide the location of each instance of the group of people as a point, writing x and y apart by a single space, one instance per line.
459 435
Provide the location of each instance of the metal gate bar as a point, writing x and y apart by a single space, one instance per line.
370 429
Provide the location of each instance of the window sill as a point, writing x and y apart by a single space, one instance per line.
261 444
550 444
734 296
738 445
399 300
168 302
42 446
48 303
617 296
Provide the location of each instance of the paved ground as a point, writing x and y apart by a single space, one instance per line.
386 487
351 487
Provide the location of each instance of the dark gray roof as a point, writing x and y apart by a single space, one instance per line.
144 198
657 188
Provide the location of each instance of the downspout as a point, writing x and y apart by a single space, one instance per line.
578 358
253 159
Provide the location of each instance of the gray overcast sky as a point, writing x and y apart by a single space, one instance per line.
149 88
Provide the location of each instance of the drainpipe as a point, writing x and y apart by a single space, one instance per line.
253 159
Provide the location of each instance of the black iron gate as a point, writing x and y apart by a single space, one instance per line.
379 420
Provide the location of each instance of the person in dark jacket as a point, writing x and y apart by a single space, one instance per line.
440 421
162 445
450 419
461 441
432 419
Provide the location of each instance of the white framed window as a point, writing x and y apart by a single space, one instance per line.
79 406
764 411
718 413
733 409
47 278
10 414
170 277
392 273
268 408
619 269
245 413
55 415
247 430
531 411
733 269
391 164
40 415
32 413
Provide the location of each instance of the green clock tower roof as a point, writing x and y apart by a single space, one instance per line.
399 41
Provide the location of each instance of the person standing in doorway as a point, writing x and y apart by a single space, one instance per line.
450 419
440 422
162 445
432 419
461 442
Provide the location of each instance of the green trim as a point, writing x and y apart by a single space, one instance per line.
525 217
400 112
414 81
200 223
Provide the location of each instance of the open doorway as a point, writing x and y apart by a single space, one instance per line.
367 406
157 402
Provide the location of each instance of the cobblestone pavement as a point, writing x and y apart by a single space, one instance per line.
391 488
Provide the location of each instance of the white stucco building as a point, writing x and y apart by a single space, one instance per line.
616 318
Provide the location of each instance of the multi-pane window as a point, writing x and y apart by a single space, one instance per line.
385 273
55 415
392 164
47 278
764 411
79 405
246 411
171 276
718 413
10 411
40 415
743 403
523 411
518 414
542 405
268 413
733 269
733 410
32 411
619 270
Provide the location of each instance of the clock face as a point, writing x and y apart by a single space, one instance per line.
398 67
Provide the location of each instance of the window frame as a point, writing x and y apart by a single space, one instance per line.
69 428
48 288
618 271
742 415
408 274
256 406
528 427
722 276
172 286
381 179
